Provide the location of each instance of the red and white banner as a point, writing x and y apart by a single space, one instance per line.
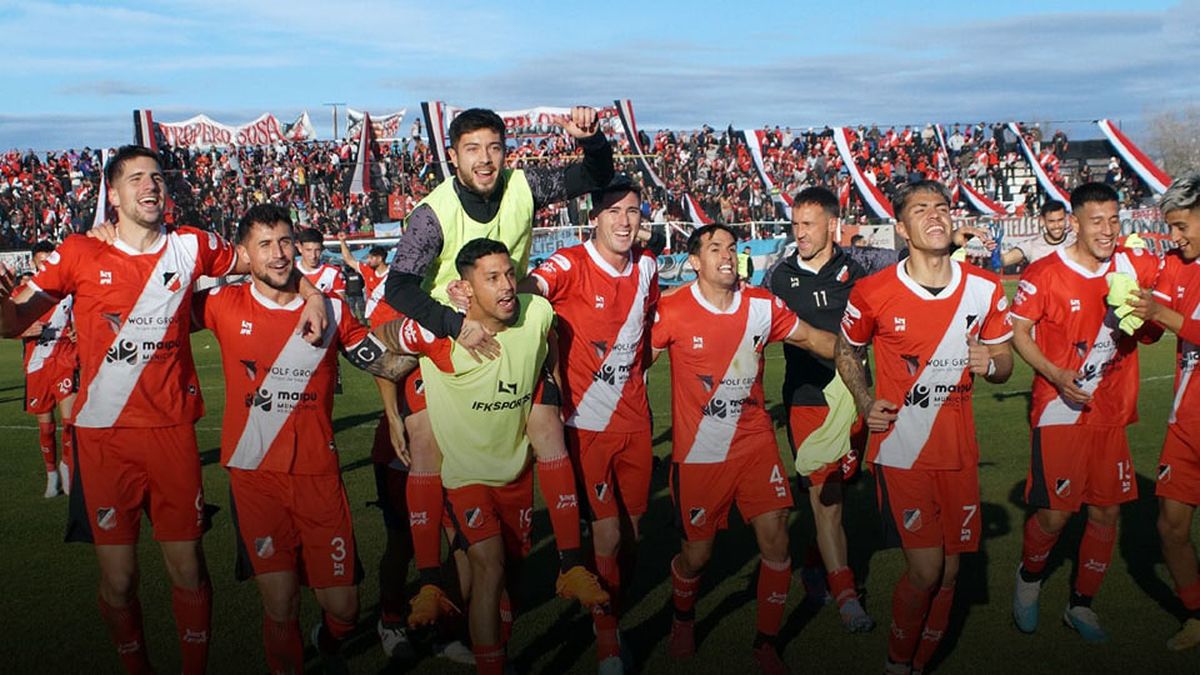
386 127
694 212
202 131
870 193
1156 178
1052 189
754 143
628 122
976 199
360 180
537 121
301 130
102 193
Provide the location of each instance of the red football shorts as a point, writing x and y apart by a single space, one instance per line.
1179 465
703 493
123 470
805 419
484 511
614 470
293 523
930 509
48 386
1072 465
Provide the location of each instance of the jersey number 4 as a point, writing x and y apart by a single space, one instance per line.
778 481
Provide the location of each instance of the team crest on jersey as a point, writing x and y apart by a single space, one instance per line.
264 547
601 348
1164 473
706 381
912 362
843 274
251 369
1062 487
1081 348
113 319
172 281
971 321
503 387
474 517
125 350
602 492
912 519
697 516
106 518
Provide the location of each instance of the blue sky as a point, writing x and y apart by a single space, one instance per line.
74 70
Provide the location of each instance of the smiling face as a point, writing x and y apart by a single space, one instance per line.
616 219
478 157
1184 225
716 261
494 287
138 193
925 222
1054 225
271 253
1096 225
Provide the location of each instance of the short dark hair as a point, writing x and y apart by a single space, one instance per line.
1092 192
857 238
309 235
474 119
694 239
112 170
1053 206
907 190
43 246
620 183
378 251
818 196
261 214
475 249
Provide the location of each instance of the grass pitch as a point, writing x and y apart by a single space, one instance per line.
51 625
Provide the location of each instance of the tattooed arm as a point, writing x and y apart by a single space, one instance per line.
879 413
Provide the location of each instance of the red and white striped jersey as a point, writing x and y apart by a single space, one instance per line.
327 278
374 288
1076 329
1179 288
278 387
132 319
716 371
603 341
51 346
921 360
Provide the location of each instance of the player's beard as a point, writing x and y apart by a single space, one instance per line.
273 279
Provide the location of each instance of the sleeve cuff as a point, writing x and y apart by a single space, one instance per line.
995 341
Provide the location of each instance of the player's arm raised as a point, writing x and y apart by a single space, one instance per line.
351 261
1062 378
849 359
18 312
815 340
555 184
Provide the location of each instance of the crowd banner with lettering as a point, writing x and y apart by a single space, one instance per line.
754 143
203 131
629 125
872 196
1043 178
385 127
1156 178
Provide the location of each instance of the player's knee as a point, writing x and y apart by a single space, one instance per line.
340 603
487 569
1173 530
282 607
118 587
1052 521
1106 516
186 568
925 576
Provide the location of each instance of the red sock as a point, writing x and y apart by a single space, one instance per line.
841 585
68 445
1095 552
46 442
284 646
1190 595
935 626
774 580
125 629
333 631
506 618
557 483
193 622
909 608
607 622
683 593
489 659
425 504
1035 548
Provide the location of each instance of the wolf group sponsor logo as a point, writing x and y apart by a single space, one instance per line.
601 491
912 363
707 382
124 350
251 369
697 516
503 387
172 281
106 517
474 517
264 547
1164 473
1062 487
917 396
601 348
912 519
113 319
